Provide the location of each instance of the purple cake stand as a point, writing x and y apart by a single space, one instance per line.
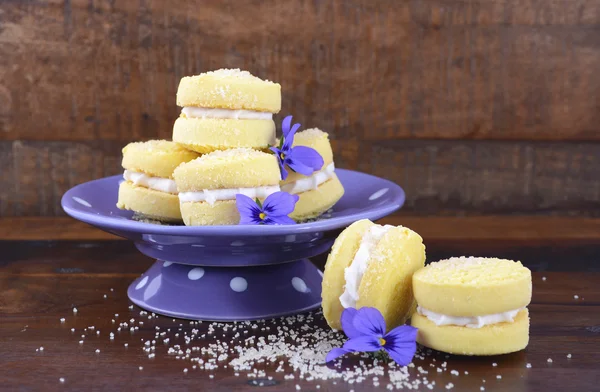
231 273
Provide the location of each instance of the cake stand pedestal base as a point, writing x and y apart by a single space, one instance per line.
228 293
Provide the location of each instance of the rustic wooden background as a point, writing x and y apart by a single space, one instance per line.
475 107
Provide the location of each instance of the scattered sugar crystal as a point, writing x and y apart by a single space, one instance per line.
528 366
61 379
569 356
62 320
494 364
498 377
544 278
576 296
185 370
97 350
74 310
41 348
549 360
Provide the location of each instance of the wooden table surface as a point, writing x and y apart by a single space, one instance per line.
42 281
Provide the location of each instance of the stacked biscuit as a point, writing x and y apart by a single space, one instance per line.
473 305
219 150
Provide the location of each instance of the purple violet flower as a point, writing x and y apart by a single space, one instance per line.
301 159
274 211
365 329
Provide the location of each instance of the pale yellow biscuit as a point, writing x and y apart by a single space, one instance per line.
230 169
203 214
157 158
470 286
238 168
158 205
205 135
387 281
314 203
494 339
229 89
341 255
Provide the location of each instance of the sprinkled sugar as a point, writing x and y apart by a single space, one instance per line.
295 347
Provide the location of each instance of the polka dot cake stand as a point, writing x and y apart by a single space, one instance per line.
231 273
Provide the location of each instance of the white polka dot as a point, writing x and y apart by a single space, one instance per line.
141 283
196 273
238 243
167 263
81 201
379 193
238 284
153 288
300 285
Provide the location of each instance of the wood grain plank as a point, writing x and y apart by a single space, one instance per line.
374 70
439 177
502 229
442 177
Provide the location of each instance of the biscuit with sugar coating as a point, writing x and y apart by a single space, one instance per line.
157 158
230 169
315 202
341 255
237 168
387 281
494 339
157 205
473 286
229 89
223 212
205 135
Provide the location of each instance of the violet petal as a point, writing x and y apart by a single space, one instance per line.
401 344
285 125
279 204
369 321
302 156
282 168
402 354
347 320
249 211
365 343
335 353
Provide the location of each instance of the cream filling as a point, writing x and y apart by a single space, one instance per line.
157 183
469 322
354 272
311 182
196 112
210 196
